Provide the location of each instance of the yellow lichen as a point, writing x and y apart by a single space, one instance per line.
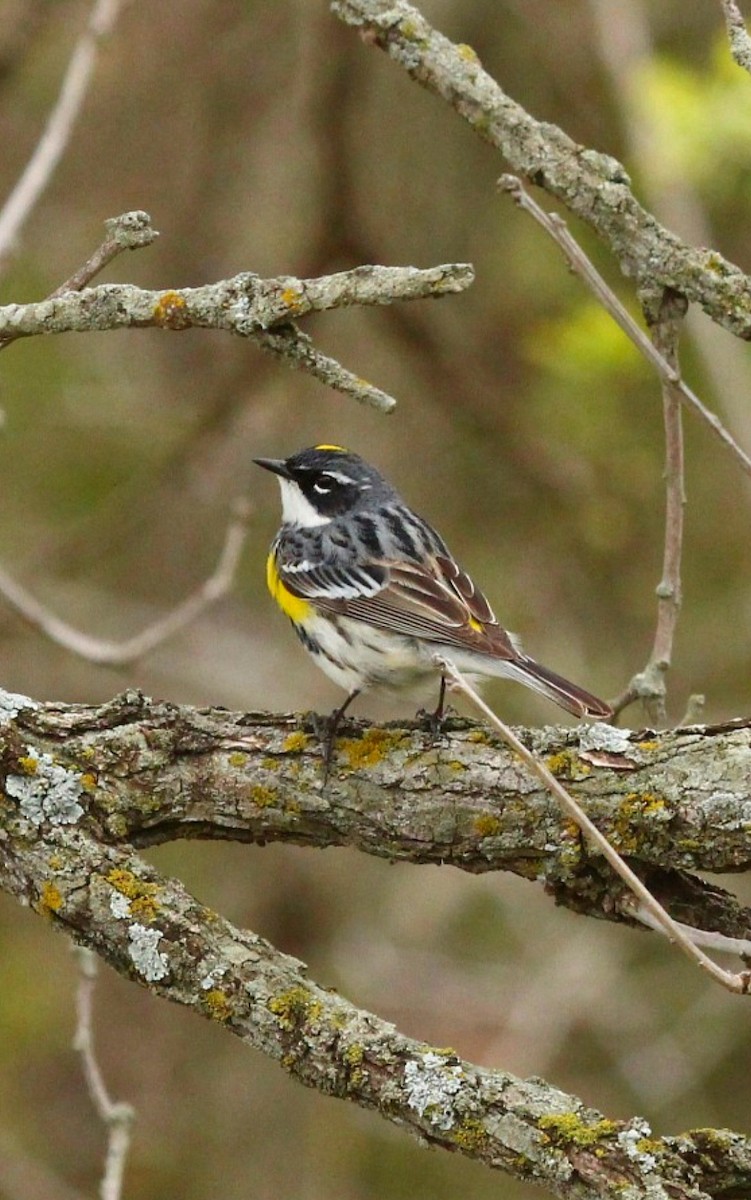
635 804
217 1004
50 899
294 1007
55 862
467 53
487 825
369 749
292 297
236 759
263 797
470 1134
296 742
28 764
566 763
481 736
142 895
353 1057
569 1127
88 782
170 311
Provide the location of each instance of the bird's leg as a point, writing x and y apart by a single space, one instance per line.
329 726
434 720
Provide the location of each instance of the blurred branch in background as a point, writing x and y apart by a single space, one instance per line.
96 650
53 142
116 1116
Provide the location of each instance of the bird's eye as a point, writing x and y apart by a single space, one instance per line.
323 485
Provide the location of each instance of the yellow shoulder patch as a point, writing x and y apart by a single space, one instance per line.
292 606
323 446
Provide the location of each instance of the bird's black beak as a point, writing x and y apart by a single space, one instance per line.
277 465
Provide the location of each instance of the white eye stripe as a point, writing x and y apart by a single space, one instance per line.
339 476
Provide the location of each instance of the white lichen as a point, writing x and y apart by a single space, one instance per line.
145 954
11 704
628 1139
212 978
605 737
119 905
432 1086
47 792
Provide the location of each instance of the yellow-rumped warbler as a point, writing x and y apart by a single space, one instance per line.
374 593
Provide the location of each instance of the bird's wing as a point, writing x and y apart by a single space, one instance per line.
435 600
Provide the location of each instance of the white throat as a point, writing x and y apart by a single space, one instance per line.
296 510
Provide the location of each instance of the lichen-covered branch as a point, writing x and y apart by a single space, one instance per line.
59 812
673 803
592 185
245 304
263 310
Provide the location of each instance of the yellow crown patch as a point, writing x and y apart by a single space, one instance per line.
325 447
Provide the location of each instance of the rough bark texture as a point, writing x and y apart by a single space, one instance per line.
593 186
83 785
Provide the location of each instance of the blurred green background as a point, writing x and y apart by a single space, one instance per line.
262 135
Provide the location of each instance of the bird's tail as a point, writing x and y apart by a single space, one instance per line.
568 695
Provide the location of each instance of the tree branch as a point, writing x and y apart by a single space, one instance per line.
259 309
150 929
594 186
151 773
740 42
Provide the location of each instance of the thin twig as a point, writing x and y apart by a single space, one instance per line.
581 266
52 144
297 350
115 1115
665 334
129 231
108 653
649 685
740 982
740 42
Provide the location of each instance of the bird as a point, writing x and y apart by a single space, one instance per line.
374 593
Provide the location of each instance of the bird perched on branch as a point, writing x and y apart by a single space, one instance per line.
374 593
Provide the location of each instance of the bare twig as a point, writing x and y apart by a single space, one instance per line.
118 653
296 349
649 685
115 1115
581 266
740 42
129 231
647 904
56 136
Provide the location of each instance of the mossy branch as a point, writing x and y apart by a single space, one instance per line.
77 779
